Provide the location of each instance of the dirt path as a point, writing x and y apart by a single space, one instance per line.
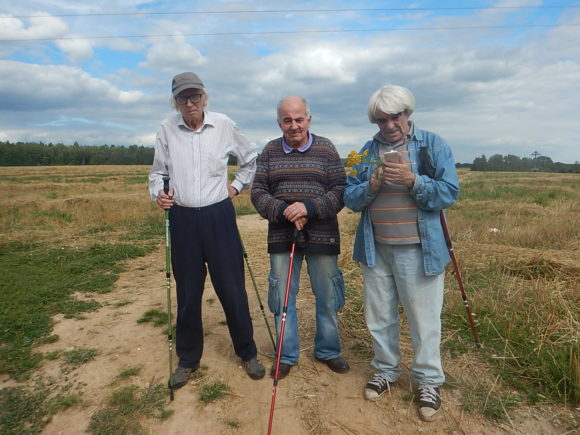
312 400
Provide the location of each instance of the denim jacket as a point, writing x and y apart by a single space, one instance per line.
431 195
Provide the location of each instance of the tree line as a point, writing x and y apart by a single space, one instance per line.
512 163
40 154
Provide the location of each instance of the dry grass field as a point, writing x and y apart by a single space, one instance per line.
69 233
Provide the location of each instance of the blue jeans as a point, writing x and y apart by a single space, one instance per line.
328 288
399 277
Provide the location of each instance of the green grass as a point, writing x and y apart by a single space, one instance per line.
28 410
534 357
155 317
232 422
77 357
212 392
38 282
519 190
126 406
129 372
492 405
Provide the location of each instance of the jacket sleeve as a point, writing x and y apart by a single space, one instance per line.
442 190
358 193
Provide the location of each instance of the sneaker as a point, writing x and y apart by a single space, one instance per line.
429 402
181 376
376 387
283 370
254 368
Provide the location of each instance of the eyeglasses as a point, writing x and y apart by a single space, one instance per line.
393 118
182 99
289 121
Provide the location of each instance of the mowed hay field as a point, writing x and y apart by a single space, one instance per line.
67 232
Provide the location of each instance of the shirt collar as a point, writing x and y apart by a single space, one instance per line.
208 119
288 149
408 137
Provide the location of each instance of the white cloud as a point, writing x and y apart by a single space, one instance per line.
46 87
173 55
45 27
77 50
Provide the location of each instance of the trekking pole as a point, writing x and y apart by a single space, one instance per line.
168 288
281 339
256 289
458 276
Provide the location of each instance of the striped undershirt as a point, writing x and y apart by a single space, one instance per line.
394 214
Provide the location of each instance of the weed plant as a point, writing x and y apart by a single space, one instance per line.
26 410
211 392
129 372
126 406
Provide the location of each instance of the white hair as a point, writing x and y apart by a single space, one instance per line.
279 108
391 99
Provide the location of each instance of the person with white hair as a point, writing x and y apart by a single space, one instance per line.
400 241
192 148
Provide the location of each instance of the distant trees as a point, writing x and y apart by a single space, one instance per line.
39 154
513 163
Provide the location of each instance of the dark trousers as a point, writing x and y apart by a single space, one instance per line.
201 239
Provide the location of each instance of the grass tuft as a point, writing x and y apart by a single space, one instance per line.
212 392
126 406
155 317
78 357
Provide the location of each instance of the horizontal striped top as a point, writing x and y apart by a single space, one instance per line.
315 177
394 215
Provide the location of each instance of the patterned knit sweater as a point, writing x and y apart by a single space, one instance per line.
316 178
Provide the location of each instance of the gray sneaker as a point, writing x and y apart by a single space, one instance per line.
254 368
181 376
429 402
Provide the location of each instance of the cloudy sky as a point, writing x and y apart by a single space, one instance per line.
492 77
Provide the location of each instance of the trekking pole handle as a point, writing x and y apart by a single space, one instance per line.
166 185
295 235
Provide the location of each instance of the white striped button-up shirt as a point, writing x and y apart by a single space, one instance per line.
197 161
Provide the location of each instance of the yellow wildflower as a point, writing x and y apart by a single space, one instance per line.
354 159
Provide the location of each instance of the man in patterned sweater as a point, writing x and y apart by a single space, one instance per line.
299 183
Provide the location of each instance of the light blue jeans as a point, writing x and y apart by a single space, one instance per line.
399 277
328 288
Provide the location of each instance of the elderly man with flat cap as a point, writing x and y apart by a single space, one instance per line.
192 148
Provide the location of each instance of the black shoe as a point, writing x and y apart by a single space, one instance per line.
283 370
181 376
338 365
254 368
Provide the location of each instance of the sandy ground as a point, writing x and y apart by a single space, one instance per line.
312 400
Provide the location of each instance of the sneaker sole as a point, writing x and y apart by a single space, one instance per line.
372 395
431 417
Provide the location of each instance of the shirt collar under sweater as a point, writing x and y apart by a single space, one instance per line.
288 149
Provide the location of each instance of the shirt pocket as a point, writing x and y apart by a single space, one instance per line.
216 167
